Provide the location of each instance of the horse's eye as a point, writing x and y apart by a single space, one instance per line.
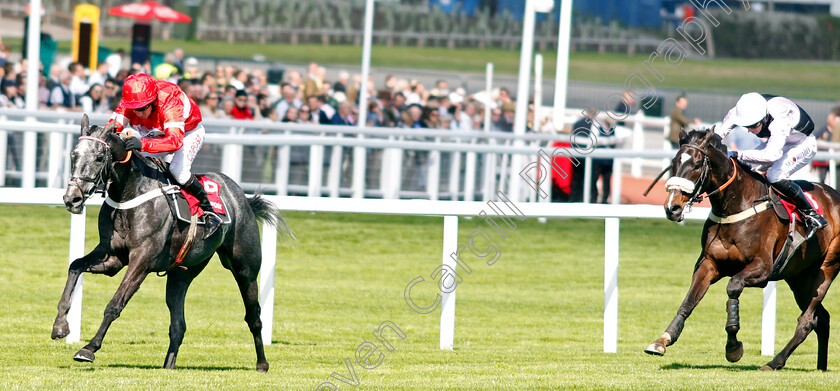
100 158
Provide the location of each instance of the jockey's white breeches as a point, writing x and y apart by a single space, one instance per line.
183 158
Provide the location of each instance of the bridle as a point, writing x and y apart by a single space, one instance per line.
101 176
696 188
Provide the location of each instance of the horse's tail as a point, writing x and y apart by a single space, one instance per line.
268 213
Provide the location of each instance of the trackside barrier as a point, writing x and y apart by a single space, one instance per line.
450 210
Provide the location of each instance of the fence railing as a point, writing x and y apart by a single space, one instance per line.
317 160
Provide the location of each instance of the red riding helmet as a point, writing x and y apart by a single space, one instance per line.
138 90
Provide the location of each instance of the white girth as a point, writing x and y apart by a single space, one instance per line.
742 215
136 201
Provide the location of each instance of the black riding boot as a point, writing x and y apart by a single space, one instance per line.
813 221
211 219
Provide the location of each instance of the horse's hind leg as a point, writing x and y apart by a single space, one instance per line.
244 263
809 294
129 285
177 283
823 330
97 261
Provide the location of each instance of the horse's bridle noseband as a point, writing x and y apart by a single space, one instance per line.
696 195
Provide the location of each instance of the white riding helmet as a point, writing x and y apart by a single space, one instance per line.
750 109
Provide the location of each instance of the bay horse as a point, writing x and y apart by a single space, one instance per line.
744 246
147 236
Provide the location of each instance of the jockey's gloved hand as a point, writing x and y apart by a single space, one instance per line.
133 143
732 154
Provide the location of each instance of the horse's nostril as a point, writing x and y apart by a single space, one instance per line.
76 200
675 208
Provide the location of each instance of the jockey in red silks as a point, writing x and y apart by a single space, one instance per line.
150 105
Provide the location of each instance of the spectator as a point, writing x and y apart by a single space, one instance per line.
240 108
304 115
209 106
115 61
291 115
191 68
508 116
313 83
341 84
497 122
78 86
10 97
678 121
833 127
321 112
112 93
374 115
465 116
343 116
289 99
415 117
99 75
61 95
227 106
178 60
93 101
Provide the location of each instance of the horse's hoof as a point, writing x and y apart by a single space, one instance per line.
766 368
84 355
735 354
60 330
262 367
655 349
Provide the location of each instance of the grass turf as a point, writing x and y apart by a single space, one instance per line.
531 321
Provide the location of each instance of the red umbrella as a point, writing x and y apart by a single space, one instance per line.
148 10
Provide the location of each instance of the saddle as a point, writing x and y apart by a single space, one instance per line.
184 205
788 213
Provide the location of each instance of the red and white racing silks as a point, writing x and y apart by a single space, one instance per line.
174 114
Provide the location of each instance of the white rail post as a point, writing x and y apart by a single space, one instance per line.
77 250
615 193
267 271
455 173
638 143
433 177
447 309
360 153
281 171
232 159
56 158
610 284
832 171
768 320
587 180
334 175
316 168
5 148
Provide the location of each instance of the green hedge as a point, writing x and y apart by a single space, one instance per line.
777 35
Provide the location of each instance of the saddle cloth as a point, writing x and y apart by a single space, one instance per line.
187 205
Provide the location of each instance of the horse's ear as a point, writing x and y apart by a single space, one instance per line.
709 136
683 135
85 125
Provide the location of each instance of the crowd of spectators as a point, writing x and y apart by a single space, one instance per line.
245 94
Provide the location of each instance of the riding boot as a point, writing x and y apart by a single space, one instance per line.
211 219
813 221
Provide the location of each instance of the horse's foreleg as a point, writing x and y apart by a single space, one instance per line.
97 261
823 330
129 285
755 273
704 275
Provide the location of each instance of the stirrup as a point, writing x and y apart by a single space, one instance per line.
212 221
813 222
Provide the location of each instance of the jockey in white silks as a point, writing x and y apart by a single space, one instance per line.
789 146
